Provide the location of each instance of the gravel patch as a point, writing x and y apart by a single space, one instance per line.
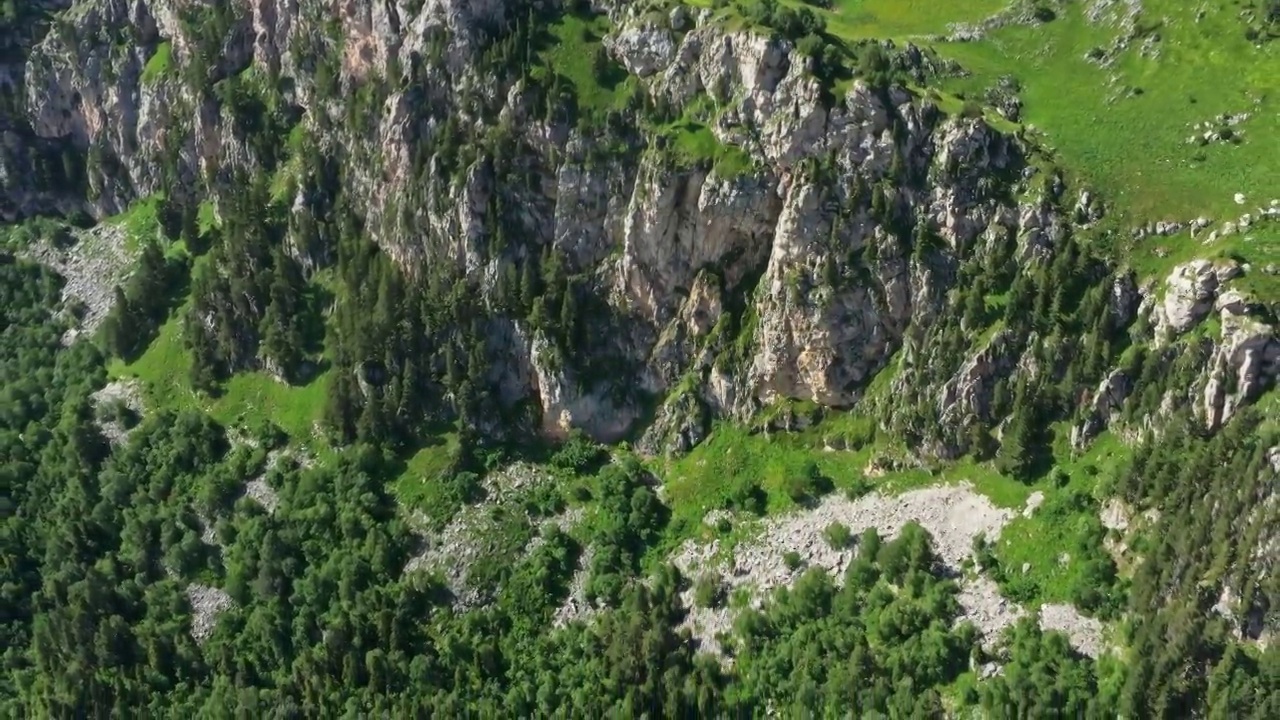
92 267
953 515
453 551
128 392
1084 633
262 493
982 605
206 604
576 606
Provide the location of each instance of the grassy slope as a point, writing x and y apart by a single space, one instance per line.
906 19
164 370
159 64
1134 147
1049 544
141 222
568 50
413 488
703 480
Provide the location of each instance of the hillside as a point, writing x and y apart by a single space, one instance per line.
602 358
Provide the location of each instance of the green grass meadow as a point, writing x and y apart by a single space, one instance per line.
1125 128
247 397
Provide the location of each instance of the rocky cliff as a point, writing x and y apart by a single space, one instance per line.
818 234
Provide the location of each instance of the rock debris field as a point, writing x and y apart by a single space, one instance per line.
953 515
206 604
469 535
128 392
92 267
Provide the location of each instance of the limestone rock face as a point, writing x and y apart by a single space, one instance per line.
1244 356
567 405
680 222
1107 400
969 392
816 342
1189 294
803 242
644 50
1245 363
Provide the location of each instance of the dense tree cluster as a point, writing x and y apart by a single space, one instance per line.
251 305
142 305
1215 515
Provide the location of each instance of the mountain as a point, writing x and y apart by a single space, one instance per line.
489 357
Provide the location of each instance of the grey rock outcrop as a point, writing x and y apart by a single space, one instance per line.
1245 363
1107 400
1189 293
832 226
643 50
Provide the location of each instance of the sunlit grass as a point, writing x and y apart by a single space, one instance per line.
246 398
907 19
1125 128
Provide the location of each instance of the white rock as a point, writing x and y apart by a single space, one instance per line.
1115 515
1189 295
1084 633
643 50
1034 501
206 604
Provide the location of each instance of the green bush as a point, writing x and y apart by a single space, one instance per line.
807 484
708 592
838 536
580 455
747 497
792 560
858 488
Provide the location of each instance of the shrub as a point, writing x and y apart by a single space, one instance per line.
579 455
1020 588
708 592
860 487
809 483
982 553
792 560
838 536
269 435
747 497
1044 13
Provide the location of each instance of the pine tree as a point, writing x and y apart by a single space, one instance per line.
530 284
119 329
151 280
1018 453
568 313
975 305
189 229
